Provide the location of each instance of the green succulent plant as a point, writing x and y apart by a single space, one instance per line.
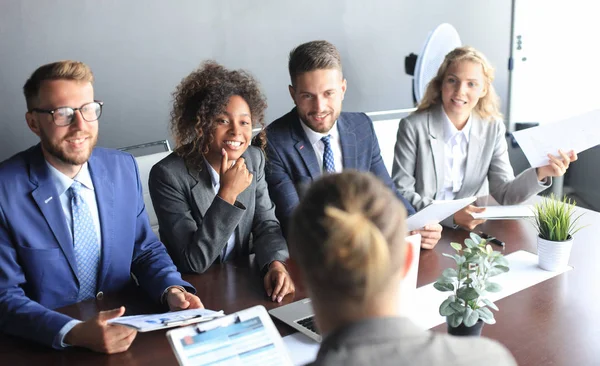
469 283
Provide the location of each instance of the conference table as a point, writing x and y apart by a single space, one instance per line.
555 322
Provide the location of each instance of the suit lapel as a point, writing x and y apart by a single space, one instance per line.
203 192
348 144
304 147
435 126
46 197
105 199
474 150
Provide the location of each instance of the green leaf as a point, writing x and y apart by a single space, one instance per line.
500 261
455 320
490 304
471 317
470 243
467 293
444 279
453 256
446 309
493 287
460 261
458 308
449 272
496 270
456 246
503 268
486 315
468 281
476 238
440 286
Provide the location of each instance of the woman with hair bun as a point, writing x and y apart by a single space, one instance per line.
347 245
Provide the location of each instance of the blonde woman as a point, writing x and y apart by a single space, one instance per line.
453 146
347 246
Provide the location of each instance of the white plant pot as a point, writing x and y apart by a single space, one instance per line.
553 255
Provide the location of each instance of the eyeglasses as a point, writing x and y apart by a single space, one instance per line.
63 116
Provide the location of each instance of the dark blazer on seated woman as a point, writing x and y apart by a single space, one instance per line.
195 224
419 160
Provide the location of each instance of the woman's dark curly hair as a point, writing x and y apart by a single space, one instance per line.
201 97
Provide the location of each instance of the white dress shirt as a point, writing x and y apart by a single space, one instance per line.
216 183
455 150
319 146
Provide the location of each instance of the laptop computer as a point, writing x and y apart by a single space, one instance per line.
300 316
247 337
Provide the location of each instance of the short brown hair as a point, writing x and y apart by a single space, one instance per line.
201 97
347 236
311 56
60 70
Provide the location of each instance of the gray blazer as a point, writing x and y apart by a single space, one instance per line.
195 224
418 167
397 341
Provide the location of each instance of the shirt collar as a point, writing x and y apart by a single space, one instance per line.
62 182
214 176
315 137
450 130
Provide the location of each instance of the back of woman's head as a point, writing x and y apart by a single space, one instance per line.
347 236
488 106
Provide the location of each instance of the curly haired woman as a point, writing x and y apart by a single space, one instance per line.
210 195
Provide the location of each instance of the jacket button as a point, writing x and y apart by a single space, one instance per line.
100 295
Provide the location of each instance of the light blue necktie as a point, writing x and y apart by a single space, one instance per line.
328 164
86 245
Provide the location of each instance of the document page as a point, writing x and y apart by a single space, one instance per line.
146 323
577 133
242 343
504 212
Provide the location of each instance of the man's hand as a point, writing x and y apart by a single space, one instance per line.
97 335
278 282
234 179
430 235
464 219
181 300
558 166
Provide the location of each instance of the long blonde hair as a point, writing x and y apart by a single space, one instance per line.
347 235
488 106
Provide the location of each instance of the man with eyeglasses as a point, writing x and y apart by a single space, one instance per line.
73 223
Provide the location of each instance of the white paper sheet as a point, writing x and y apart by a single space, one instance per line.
523 273
150 322
436 212
577 133
504 212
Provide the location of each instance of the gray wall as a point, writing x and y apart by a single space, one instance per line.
140 49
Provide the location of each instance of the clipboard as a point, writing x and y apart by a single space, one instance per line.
436 211
247 337
148 323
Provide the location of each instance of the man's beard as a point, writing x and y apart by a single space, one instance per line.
61 155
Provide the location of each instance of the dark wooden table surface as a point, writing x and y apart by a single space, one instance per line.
556 322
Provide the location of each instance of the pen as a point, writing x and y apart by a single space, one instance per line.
179 321
490 239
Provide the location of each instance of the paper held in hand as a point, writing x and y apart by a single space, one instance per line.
577 133
504 212
150 322
436 211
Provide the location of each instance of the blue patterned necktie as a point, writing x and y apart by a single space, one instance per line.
328 164
86 245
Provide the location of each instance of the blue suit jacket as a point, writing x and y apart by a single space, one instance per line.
37 261
292 163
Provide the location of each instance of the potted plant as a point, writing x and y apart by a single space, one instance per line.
467 308
556 224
